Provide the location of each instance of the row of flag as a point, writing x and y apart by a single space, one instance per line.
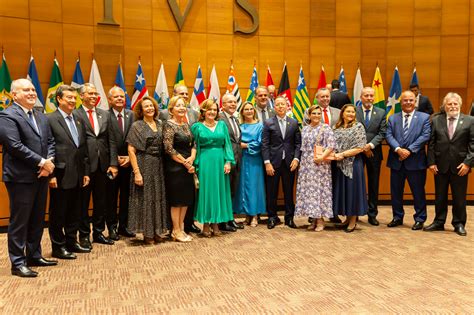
297 105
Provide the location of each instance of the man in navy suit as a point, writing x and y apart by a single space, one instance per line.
407 134
450 158
281 142
28 153
422 103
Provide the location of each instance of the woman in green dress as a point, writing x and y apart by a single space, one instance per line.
214 157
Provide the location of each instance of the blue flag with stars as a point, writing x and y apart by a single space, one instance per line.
139 89
120 82
342 81
253 86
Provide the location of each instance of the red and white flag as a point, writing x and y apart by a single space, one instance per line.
95 79
214 92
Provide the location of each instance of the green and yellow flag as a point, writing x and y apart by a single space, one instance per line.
54 82
179 75
5 84
377 85
301 102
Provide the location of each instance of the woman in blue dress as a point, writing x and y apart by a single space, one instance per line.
250 196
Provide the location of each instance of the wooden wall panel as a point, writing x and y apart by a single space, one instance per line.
46 10
322 51
455 17
271 53
297 17
197 18
470 78
137 14
243 19
348 17
162 17
193 50
426 54
246 52
108 52
16 45
427 17
348 55
454 57
373 51
399 53
78 12
323 18
272 17
77 39
219 52
166 49
400 17
138 43
374 18
18 8
220 17
296 54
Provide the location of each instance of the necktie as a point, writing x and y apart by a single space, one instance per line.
120 121
32 120
264 115
282 127
367 112
326 117
234 126
72 128
91 119
451 127
405 128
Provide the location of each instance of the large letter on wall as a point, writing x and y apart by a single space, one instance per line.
178 17
108 13
244 4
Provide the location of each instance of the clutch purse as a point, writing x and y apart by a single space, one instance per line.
319 150
196 181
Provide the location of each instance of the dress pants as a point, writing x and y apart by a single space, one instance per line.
64 214
120 192
416 181
27 210
458 186
288 180
373 177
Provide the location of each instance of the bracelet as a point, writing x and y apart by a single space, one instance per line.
135 170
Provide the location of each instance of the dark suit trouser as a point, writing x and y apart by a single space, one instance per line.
27 210
120 184
416 181
373 177
64 214
100 187
458 189
288 180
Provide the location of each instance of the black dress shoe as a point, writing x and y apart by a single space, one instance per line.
335 219
113 235
291 224
310 220
236 225
126 232
41 262
192 229
101 239
63 253
227 227
395 222
271 224
348 230
24 272
77 248
85 242
417 226
434 227
373 221
460 230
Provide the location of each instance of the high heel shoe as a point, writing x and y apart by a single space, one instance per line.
348 230
254 222
180 237
215 230
312 226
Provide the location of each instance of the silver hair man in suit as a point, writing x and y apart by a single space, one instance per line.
450 158
262 104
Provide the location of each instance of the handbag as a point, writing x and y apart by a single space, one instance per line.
196 181
319 150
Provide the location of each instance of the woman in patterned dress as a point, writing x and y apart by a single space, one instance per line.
147 204
314 187
349 181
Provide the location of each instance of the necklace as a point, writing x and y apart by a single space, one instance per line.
210 125
151 123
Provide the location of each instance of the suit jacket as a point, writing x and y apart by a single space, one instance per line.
270 111
102 148
334 112
448 154
193 116
424 105
233 138
418 136
121 137
71 161
23 145
376 129
339 99
273 143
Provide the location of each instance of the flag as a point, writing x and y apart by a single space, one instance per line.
302 101
179 75
393 104
5 85
414 77
233 87
253 86
284 88
321 83
161 94
358 86
33 77
120 82
199 95
342 81
139 89
377 85
214 91
54 82
95 79
77 81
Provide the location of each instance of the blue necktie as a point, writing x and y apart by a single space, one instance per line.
73 130
405 129
367 111
32 120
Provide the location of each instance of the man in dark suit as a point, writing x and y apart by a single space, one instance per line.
329 115
28 153
121 119
69 176
450 158
262 104
103 166
423 103
192 117
375 123
407 134
229 106
281 142
338 98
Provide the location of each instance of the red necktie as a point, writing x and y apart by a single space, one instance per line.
91 119
120 121
326 117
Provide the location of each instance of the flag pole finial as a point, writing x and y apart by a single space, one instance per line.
54 53
358 65
377 64
414 64
120 59
79 55
139 58
92 55
161 58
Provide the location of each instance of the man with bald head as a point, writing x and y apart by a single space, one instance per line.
407 134
28 154
262 105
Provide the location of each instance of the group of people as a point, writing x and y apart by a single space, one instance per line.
157 172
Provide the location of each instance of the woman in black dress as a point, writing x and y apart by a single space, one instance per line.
179 169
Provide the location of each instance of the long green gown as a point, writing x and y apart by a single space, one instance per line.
213 150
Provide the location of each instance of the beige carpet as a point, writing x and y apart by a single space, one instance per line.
373 270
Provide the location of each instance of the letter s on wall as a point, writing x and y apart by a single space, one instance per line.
244 4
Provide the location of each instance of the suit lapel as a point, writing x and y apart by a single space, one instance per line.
101 120
63 124
20 112
83 114
459 126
